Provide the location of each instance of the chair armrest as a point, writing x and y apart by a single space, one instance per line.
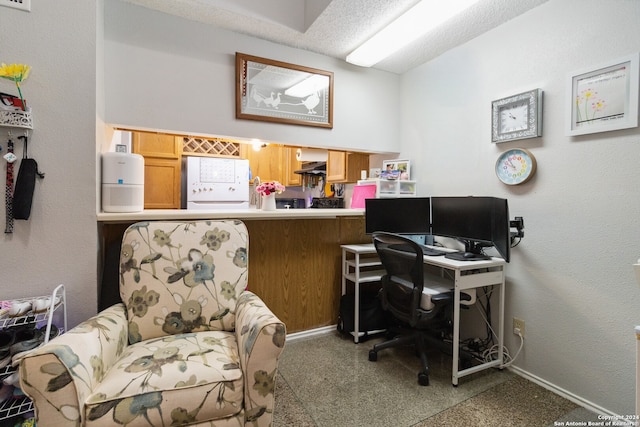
443 297
448 296
261 337
61 374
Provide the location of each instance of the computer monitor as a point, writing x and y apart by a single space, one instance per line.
402 215
500 231
478 222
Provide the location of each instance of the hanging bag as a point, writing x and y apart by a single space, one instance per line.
25 184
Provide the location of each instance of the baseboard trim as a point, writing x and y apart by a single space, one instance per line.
311 332
561 392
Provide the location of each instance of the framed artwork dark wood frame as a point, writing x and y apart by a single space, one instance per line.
279 92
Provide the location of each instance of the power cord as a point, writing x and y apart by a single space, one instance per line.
478 347
492 353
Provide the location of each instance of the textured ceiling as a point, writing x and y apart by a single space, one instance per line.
336 27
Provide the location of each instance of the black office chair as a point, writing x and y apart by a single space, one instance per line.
401 294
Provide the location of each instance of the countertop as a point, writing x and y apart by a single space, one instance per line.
251 213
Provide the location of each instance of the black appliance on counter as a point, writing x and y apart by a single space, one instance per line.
327 203
290 203
318 203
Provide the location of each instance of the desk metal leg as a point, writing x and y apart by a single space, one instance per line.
344 271
501 322
356 298
499 361
456 329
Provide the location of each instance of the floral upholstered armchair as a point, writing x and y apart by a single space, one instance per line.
188 345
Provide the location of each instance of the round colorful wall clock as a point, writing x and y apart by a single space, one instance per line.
515 166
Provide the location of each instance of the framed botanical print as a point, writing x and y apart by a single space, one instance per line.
603 98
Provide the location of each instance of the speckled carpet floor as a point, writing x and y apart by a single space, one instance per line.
328 381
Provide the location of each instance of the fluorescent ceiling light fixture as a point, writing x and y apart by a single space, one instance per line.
417 21
313 84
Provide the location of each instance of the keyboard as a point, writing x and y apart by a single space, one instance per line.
429 251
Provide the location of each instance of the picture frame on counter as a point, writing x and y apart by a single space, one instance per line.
603 98
375 172
280 92
396 169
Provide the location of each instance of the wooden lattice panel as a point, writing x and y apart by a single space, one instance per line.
211 147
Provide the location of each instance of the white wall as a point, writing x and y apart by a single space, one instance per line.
168 73
58 243
571 278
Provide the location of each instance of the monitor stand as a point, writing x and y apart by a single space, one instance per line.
466 256
472 252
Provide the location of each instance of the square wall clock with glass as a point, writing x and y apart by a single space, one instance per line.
517 117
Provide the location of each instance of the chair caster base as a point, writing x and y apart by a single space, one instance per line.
373 355
423 379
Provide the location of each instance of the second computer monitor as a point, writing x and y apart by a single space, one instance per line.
403 215
477 221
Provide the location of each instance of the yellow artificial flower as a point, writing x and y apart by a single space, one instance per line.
16 73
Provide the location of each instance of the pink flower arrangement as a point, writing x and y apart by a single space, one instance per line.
270 187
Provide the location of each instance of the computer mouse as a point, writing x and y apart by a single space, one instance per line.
469 255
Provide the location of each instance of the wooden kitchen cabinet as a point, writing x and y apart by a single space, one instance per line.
268 163
275 163
162 168
159 145
293 164
161 184
345 167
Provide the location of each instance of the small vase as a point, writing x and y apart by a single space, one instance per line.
269 202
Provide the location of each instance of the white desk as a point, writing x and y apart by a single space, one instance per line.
467 275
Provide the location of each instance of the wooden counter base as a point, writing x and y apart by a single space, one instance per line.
294 265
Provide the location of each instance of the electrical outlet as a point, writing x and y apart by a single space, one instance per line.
17 4
518 326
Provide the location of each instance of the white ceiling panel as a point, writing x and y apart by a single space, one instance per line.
336 27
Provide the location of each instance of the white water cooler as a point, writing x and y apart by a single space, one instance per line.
122 182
